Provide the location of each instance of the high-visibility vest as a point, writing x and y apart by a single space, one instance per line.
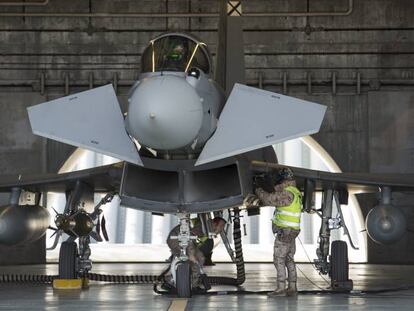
200 239
289 216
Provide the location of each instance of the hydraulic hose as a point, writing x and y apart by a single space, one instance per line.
146 279
154 279
27 278
108 278
124 279
241 273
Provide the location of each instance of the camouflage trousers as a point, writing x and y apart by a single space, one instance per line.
194 254
284 252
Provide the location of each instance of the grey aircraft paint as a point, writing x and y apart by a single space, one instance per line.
177 112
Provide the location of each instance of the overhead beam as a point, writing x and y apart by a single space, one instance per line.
177 15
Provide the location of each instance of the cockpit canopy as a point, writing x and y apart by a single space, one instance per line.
175 52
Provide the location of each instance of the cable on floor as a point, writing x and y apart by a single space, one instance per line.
312 263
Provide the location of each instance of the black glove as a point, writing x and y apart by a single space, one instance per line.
264 181
276 179
258 181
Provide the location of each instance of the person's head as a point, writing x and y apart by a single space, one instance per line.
284 178
177 50
218 224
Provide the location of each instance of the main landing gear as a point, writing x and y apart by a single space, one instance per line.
80 226
338 265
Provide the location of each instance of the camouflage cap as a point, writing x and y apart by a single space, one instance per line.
285 174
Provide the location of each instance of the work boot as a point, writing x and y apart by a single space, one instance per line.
292 289
279 291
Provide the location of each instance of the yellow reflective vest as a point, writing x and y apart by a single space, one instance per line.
200 239
289 216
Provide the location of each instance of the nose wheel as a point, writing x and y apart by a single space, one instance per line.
183 280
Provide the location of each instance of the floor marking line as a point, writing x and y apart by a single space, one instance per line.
178 305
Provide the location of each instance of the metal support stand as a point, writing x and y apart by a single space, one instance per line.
15 196
337 267
205 220
184 237
386 195
84 264
324 233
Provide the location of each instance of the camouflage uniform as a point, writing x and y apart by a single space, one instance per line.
192 249
284 246
284 252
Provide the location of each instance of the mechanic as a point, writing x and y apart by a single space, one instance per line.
287 199
200 250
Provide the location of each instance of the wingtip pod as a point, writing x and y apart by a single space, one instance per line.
91 119
253 118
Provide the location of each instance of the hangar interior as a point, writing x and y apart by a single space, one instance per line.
354 56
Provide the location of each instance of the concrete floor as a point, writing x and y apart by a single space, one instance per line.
259 277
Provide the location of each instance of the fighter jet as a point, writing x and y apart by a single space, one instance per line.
191 141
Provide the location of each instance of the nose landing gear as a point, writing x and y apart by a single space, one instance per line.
183 279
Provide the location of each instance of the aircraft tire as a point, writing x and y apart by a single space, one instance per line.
339 262
183 281
67 260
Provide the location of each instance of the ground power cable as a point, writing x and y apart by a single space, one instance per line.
312 263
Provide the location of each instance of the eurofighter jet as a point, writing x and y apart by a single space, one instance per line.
191 141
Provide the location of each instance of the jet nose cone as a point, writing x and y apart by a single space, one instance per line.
165 113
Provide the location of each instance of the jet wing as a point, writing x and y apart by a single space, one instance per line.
353 182
253 118
92 120
101 179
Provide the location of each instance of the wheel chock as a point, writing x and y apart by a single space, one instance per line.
70 283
